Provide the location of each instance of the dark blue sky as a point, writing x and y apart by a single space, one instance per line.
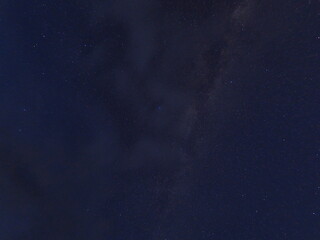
160 120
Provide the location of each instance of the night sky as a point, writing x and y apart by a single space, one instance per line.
159 120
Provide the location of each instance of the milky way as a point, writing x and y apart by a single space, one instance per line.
159 119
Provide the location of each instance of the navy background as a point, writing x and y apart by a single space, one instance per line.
159 119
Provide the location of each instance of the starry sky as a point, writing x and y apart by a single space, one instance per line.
159 120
